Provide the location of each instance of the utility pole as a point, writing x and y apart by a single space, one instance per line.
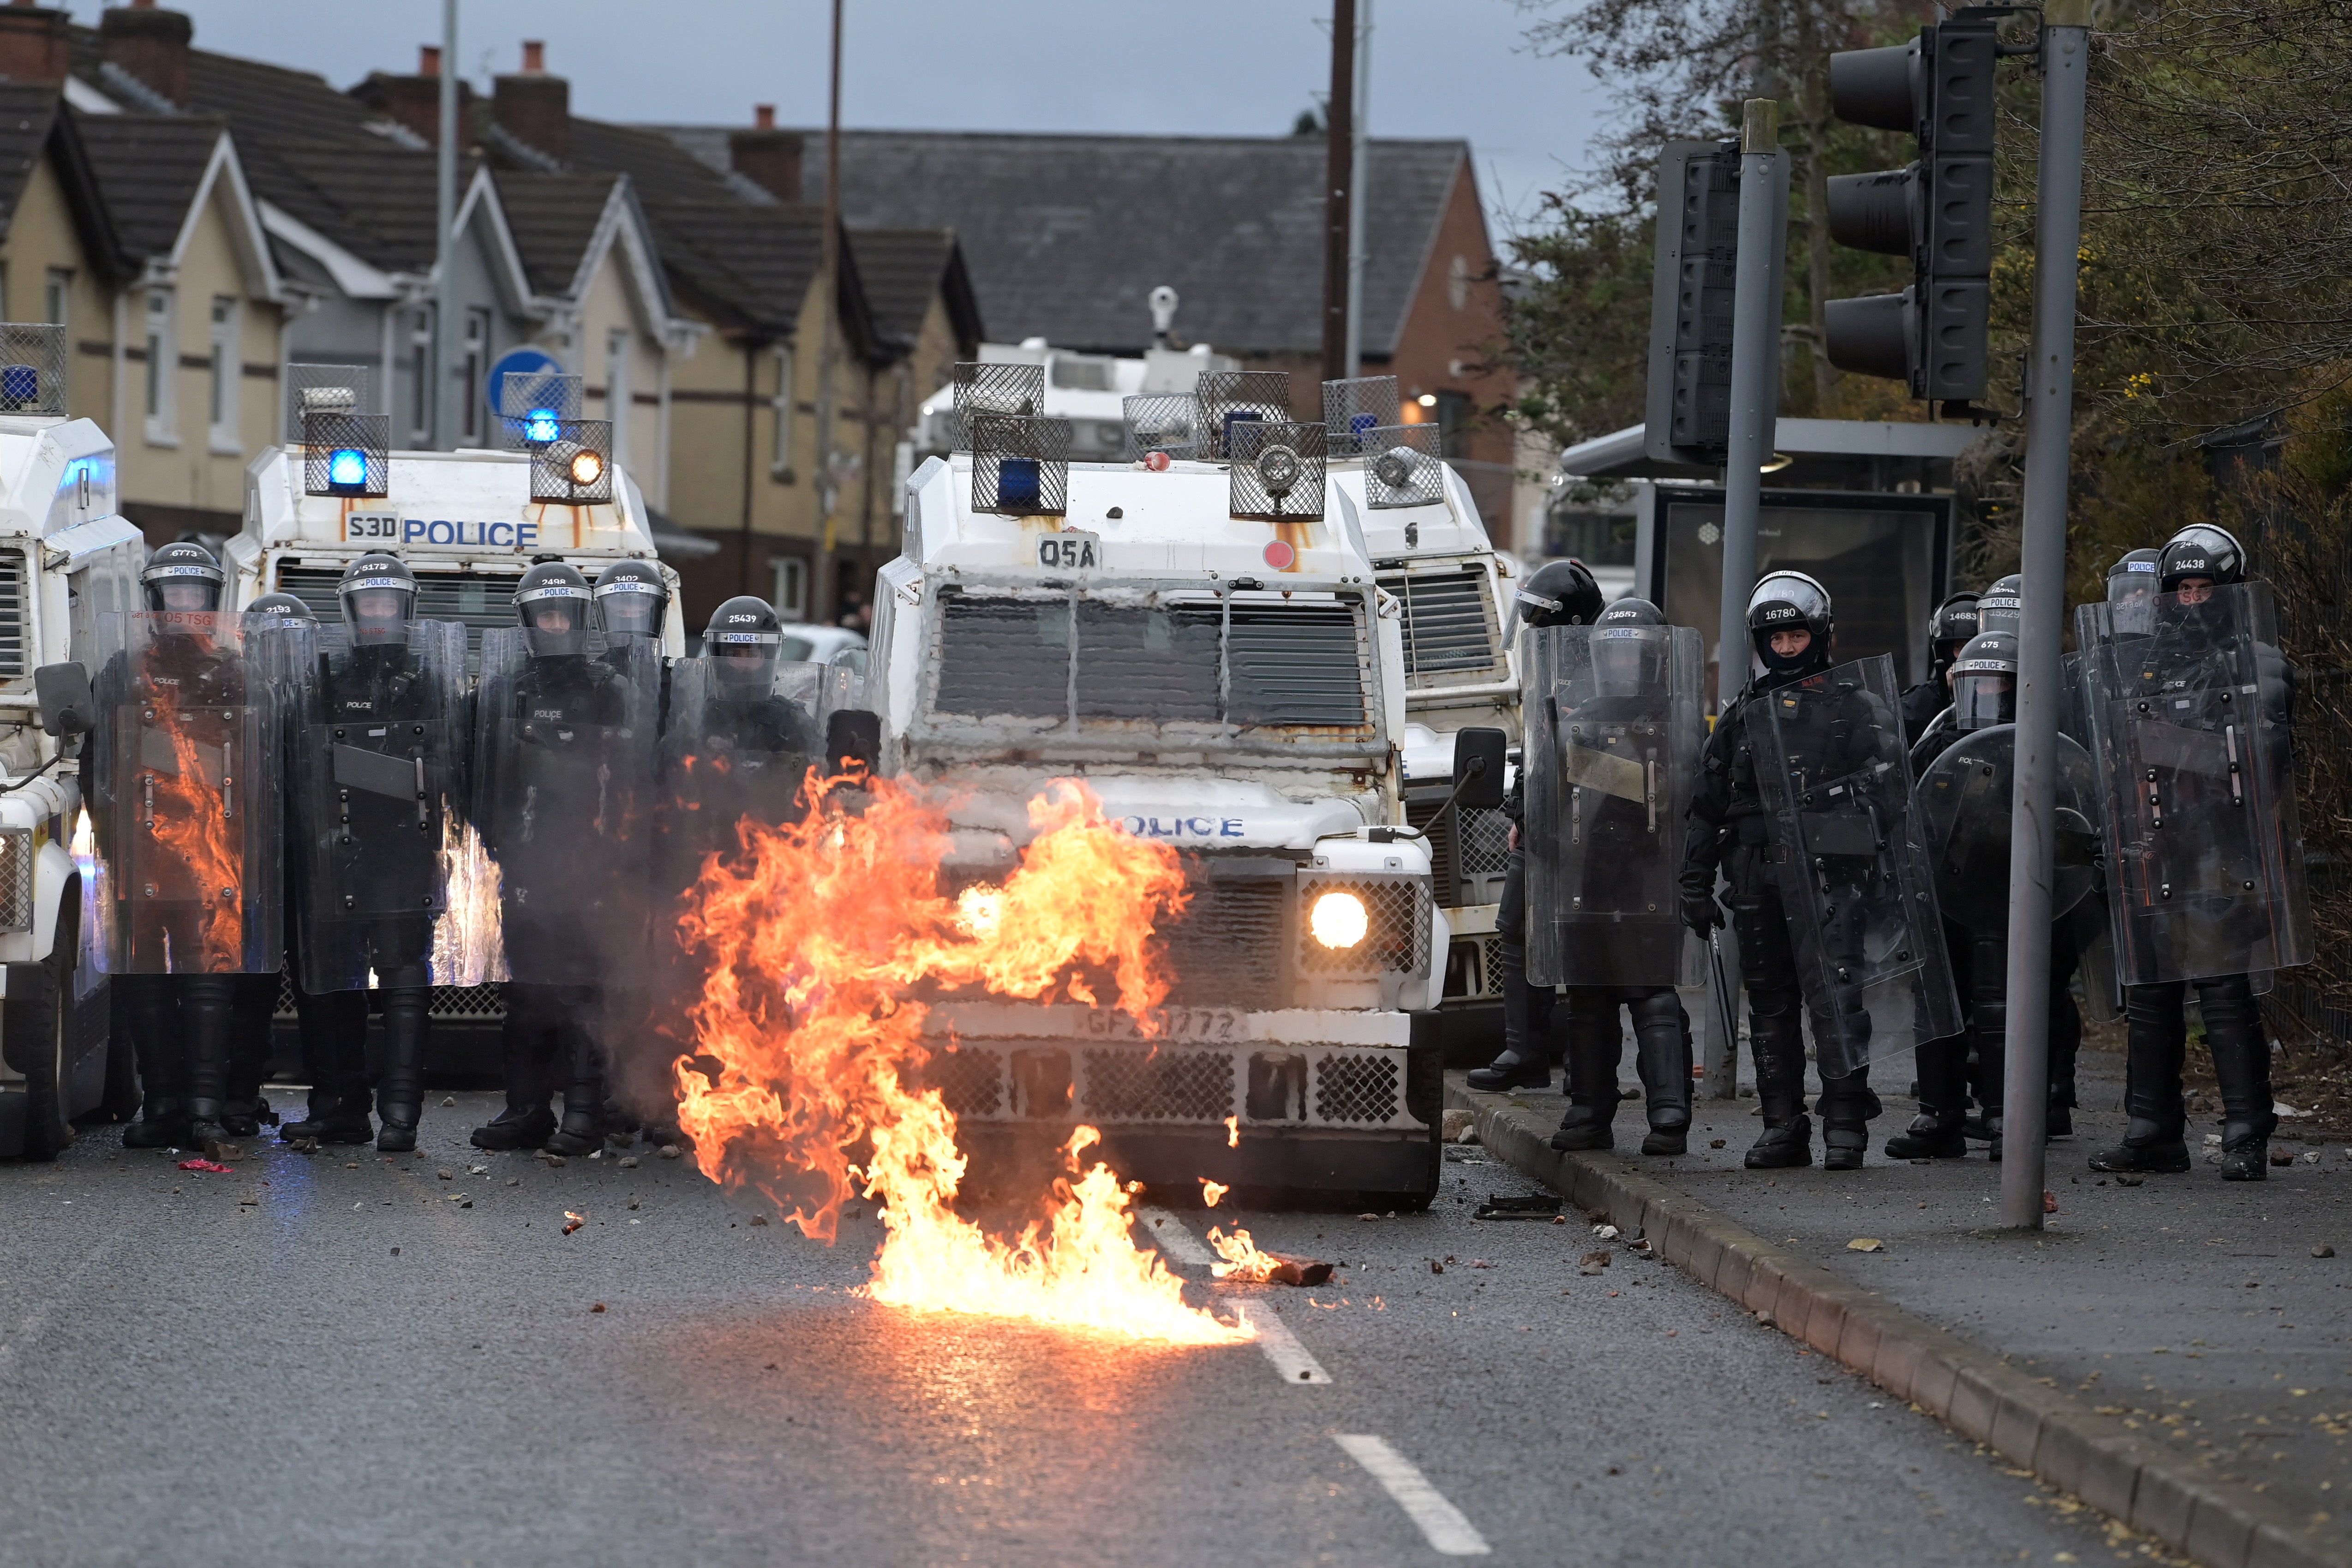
821 594
1338 167
2048 424
445 254
1359 180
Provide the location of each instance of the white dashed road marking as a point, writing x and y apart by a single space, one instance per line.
1291 1362
1440 1520
1173 1236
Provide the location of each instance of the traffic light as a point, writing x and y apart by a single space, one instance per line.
1938 211
1689 412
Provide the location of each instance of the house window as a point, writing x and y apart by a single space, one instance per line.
616 392
222 402
163 359
55 294
420 380
478 363
791 588
1454 424
779 411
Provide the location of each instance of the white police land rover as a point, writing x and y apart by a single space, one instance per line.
1192 632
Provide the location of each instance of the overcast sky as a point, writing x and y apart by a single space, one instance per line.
1439 67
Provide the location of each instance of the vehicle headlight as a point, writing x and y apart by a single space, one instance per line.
1395 467
1340 921
1278 470
587 467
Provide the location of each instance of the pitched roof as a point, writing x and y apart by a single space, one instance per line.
903 269
1067 235
149 168
552 217
27 115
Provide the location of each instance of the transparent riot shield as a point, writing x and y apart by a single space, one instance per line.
2191 729
563 782
1611 742
188 807
1856 883
1965 806
733 755
378 783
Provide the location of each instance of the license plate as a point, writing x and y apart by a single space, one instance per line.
372 528
1195 1026
1069 551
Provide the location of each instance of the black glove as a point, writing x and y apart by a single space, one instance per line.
1700 911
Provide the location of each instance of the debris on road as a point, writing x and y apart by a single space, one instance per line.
2322 1250
1715 1142
633 1200
1459 1126
670 1150
2048 1201
572 1222
201 1164
759 1219
449 1176
1865 1244
553 1159
1435 1266
597 1308
448 1100
628 1161
1606 1232
2282 1157
1593 1262
1525 1206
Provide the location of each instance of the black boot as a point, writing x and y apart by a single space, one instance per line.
399 1097
1846 1107
1662 1057
151 1008
335 1053
2155 1038
249 1053
1943 1099
526 1121
1593 1048
207 1003
1773 1040
583 1132
1523 1062
2241 1065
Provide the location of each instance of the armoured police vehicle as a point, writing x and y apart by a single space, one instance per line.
1195 630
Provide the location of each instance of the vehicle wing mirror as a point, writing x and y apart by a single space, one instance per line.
68 707
1479 757
853 737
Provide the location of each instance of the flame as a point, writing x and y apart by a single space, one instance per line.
189 824
1211 1192
1242 1261
1233 1132
807 1042
468 939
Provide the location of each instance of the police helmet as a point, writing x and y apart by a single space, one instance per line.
2131 593
631 599
551 605
1559 593
378 594
183 577
1629 648
2200 550
744 641
281 607
1984 682
1948 630
1791 601
2001 608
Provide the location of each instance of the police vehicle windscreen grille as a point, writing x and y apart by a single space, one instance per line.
479 603
1286 666
1448 623
12 614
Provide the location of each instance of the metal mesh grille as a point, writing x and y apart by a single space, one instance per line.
1402 467
1014 390
971 1082
1469 851
1166 1085
1356 1089
1163 422
1397 937
469 1004
346 454
1354 411
1450 635
32 368
534 405
17 880
1277 469
1486 841
1232 397
1020 467
325 389
1226 948
576 467
12 614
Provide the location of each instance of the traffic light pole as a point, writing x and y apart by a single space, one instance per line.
2049 420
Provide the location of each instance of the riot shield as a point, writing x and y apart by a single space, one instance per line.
378 807
189 813
562 779
1611 744
732 756
1856 883
2205 848
1966 806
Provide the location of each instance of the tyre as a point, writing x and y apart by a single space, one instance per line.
38 1031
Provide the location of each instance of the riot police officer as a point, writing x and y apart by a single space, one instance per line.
2192 715
1948 630
2002 606
1612 740
189 833
631 600
377 779
1557 594
1802 799
563 768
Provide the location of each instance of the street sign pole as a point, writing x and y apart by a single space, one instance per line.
442 409
2049 420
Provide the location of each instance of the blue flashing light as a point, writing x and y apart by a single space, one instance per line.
541 426
1018 482
347 467
20 384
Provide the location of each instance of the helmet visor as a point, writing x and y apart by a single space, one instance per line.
556 624
1630 660
377 609
630 610
1983 695
744 663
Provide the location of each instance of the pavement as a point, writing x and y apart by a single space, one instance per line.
340 1354
2197 1328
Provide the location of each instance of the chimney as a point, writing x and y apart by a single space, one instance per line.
148 43
413 102
535 108
33 44
766 156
